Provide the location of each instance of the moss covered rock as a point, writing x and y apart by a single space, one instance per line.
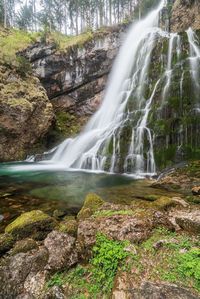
91 204
35 223
24 246
6 243
69 225
164 202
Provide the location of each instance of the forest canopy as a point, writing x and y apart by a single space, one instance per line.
70 16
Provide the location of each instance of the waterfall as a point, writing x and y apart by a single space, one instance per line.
101 145
123 135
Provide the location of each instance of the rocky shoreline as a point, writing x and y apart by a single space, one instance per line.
153 243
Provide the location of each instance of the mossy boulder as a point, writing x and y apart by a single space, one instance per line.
6 243
163 203
24 246
35 224
69 225
91 204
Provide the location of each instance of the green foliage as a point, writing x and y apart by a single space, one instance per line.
95 279
13 41
24 66
189 266
108 257
56 280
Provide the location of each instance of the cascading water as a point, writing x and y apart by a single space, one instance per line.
118 138
102 146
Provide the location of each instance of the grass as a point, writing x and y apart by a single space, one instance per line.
12 41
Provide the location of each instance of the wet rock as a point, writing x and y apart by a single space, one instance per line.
196 190
6 243
92 203
62 251
189 221
35 224
150 290
15 270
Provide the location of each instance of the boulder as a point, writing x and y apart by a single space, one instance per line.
62 251
150 290
92 203
189 221
16 270
35 224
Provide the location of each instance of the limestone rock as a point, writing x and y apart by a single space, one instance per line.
62 251
189 221
26 114
151 290
16 269
185 14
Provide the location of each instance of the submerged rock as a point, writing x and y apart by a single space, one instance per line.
35 223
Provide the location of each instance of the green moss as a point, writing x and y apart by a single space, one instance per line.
23 103
69 226
92 203
151 197
6 243
24 246
163 203
108 213
35 223
193 199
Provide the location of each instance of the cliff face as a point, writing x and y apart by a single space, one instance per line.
74 78
185 14
25 114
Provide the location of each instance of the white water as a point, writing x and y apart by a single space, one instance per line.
194 57
117 138
90 149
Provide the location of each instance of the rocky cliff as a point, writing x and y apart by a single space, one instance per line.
185 14
74 77
25 113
